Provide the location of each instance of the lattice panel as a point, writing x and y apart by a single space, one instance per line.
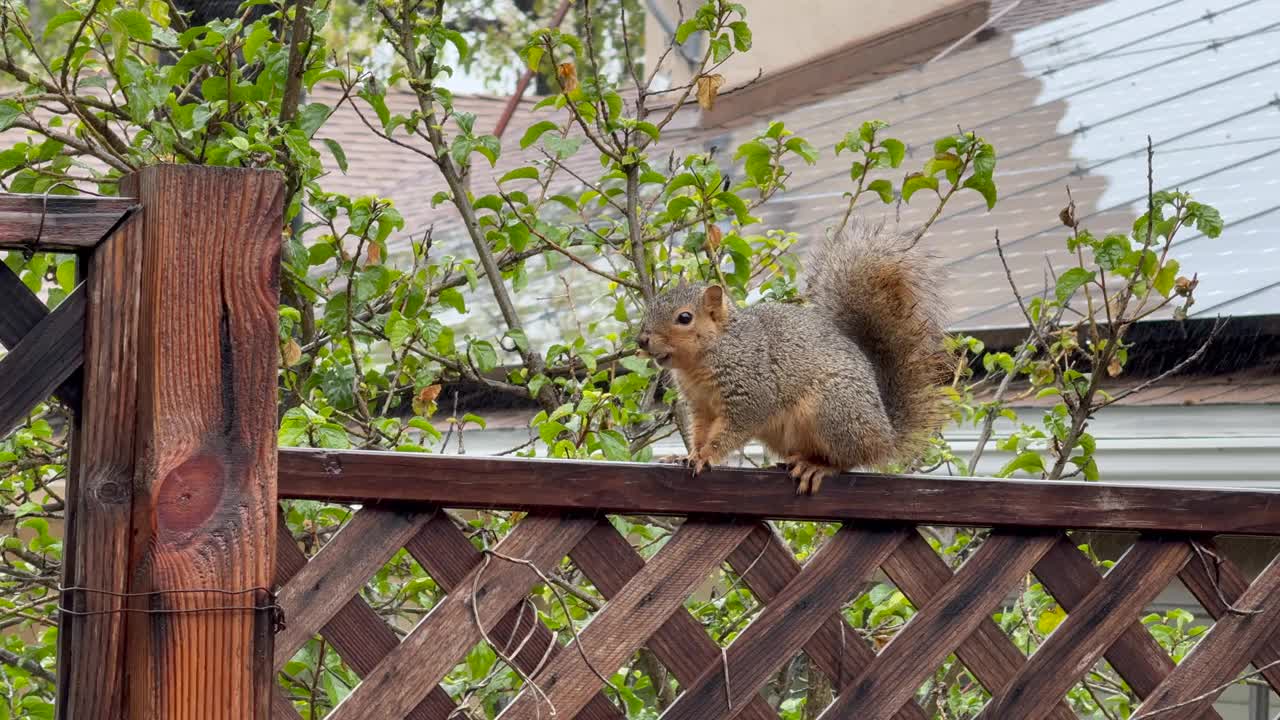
45 347
801 614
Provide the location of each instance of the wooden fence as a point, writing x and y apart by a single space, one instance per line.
178 573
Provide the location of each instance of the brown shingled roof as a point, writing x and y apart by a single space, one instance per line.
1066 102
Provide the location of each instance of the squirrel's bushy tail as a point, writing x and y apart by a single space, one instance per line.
882 291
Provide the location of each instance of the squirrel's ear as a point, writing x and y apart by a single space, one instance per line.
713 301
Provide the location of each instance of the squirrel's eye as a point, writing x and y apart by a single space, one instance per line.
684 318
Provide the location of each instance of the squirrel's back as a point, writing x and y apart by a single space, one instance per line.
881 290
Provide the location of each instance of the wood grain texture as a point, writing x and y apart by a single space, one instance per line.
99 492
69 223
549 485
1070 576
444 637
204 512
1080 640
361 637
23 311
448 556
767 567
941 625
651 597
1223 651
681 644
989 654
787 622
42 361
339 570
1213 578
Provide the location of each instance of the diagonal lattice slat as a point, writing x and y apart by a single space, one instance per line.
681 644
359 635
644 604
42 361
786 622
23 311
443 638
768 567
941 625
1135 655
1204 576
368 540
988 653
448 556
1077 643
1223 652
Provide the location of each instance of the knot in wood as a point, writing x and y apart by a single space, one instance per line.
190 494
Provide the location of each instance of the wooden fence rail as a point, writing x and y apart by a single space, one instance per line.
567 503
176 563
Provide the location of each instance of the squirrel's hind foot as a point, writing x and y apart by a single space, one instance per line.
808 475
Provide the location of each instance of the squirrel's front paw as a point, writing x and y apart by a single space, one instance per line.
696 462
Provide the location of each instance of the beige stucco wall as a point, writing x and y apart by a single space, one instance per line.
787 33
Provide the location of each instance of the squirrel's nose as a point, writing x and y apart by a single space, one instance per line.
643 342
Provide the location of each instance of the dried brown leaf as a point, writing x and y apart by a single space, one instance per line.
568 74
708 87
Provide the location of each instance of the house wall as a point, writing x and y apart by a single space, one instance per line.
785 34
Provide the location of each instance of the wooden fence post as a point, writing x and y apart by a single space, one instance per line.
198 556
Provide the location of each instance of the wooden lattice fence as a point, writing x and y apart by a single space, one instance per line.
183 594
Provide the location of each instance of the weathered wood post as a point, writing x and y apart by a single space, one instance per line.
173 500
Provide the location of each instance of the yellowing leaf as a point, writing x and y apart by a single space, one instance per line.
714 236
1050 619
568 74
708 87
424 401
291 353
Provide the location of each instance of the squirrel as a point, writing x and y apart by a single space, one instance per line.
847 379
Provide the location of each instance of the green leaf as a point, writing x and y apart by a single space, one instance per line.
10 111
1028 461
741 35
985 187
454 299
1113 250
562 147
398 329
489 146
720 48
135 23
736 204
649 129
252 44
687 28
522 173
533 56
520 339
613 445
916 182
1071 281
312 117
66 274
62 18
1208 220
483 355
883 188
338 154
1164 279
897 151
802 148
